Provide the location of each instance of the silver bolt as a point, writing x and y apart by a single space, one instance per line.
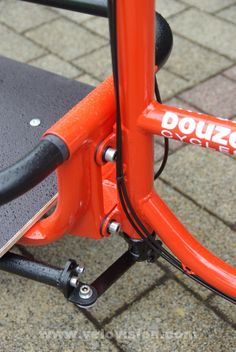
79 270
110 155
74 281
35 122
85 292
114 228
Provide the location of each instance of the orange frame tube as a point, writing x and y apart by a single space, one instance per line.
91 122
136 72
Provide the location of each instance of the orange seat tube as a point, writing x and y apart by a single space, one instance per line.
135 23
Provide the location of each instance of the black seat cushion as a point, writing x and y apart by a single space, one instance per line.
27 93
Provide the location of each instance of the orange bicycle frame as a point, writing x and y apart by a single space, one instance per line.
87 193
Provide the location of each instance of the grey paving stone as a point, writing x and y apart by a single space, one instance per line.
181 104
98 63
206 30
158 149
17 47
28 15
66 39
206 176
86 78
193 62
170 319
210 5
207 229
231 73
97 256
74 16
169 7
170 84
228 14
220 305
54 64
37 318
215 96
98 25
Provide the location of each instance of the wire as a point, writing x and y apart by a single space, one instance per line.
128 209
166 140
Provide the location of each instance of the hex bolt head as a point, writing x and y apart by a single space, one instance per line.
114 227
35 122
85 292
110 155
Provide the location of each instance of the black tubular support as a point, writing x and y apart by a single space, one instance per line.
164 38
91 7
62 278
38 271
32 169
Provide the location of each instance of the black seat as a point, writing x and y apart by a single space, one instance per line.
163 41
28 93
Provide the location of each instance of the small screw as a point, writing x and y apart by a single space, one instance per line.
74 281
35 122
114 228
79 270
110 155
85 292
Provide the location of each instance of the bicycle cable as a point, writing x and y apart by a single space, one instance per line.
166 140
127 207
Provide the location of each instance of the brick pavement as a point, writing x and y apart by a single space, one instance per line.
152 307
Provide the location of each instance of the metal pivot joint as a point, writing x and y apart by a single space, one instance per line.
110 155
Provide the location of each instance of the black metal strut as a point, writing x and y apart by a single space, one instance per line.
67 279
91 7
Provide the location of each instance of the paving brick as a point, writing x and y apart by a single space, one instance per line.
17 47
86 78
98 25
215 96
54 64
170 84
181 104
37 318
228 14
193 62
97 256
220 305
211 232
77 17
210 5
28 15
158 150
169 7
231 73
206 176
98 63
66 39
160 322
206 30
